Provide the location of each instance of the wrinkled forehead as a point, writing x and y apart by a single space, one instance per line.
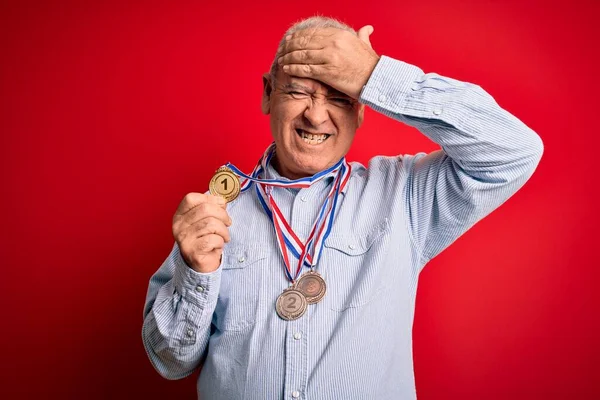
313 86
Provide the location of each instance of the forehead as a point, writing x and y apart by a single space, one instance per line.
285 81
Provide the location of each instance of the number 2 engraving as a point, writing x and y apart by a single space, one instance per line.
292 302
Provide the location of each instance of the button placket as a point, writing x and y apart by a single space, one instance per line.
296 354
304 210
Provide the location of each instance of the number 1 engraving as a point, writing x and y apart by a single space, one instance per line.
224 183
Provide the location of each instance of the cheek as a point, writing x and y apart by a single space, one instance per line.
287 112
348 124
278 122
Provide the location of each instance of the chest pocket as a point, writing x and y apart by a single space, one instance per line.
355 268
241 295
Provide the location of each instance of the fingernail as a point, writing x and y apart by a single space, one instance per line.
288 37
280 60
286 68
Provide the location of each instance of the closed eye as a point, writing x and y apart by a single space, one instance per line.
298 95
342 101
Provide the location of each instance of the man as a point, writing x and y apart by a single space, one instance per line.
229 296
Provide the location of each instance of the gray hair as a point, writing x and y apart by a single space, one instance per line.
312 22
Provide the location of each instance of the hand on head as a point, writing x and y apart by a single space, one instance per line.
336 57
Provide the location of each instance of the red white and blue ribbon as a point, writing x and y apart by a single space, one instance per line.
307 253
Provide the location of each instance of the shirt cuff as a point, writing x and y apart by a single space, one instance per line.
198 288
389 85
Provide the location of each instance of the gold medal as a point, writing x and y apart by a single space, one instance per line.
291 304
225 184
312 286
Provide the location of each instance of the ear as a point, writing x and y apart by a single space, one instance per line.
266 96
361 114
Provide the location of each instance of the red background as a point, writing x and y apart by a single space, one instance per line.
110 113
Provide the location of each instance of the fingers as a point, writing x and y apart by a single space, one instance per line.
307 39
304 57
209 226
205 210
209 243
192 200
313 33
303 43
364 33
200 229
203 246
305 70
320 38
204 254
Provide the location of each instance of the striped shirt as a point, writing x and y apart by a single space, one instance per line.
392 218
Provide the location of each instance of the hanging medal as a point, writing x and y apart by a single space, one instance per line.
291 304
310 288
312 285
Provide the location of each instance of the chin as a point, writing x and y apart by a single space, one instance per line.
311 169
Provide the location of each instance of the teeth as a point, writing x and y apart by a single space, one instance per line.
313 138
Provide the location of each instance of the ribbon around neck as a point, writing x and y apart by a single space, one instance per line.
307 253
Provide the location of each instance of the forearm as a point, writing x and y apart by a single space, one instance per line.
487 153
177 316
486 141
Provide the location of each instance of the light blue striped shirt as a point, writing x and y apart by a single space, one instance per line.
392 218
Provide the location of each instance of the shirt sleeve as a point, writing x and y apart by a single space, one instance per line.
486 153
177 316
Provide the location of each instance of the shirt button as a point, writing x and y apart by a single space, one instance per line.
190 332
437 111
303 198
200 288
295 394
382 98
241 259
351 246
297 336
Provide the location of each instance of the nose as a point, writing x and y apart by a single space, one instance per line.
316 113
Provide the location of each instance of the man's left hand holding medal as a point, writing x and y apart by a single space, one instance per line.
200 224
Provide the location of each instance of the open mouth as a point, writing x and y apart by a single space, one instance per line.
312 138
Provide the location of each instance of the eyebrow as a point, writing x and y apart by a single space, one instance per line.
297 86
337 93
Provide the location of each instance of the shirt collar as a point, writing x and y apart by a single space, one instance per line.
328 179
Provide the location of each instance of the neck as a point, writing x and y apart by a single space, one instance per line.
285 172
